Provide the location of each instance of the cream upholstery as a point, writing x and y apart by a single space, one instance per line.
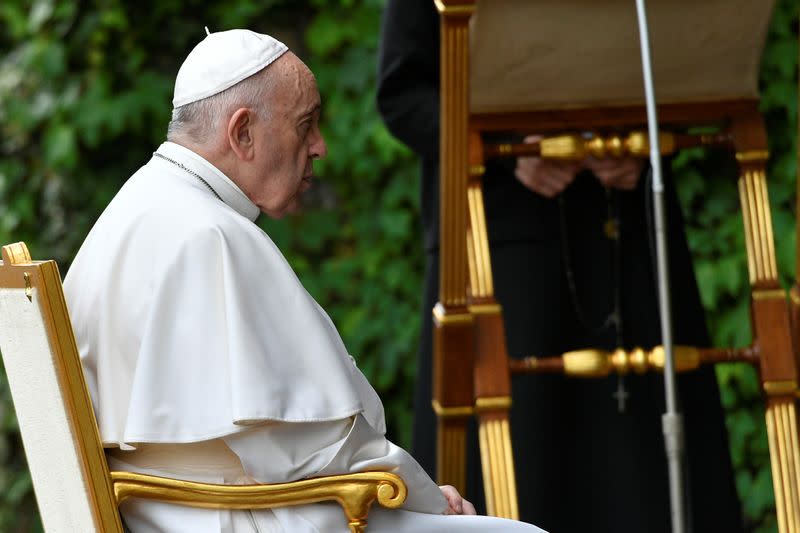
544 54
58 479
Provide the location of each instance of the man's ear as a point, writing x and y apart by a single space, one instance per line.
240 133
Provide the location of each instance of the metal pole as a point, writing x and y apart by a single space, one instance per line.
672 423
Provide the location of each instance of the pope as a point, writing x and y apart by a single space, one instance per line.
205 357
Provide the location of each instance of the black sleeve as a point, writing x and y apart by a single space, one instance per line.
408 74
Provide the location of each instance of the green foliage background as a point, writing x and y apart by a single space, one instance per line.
85 91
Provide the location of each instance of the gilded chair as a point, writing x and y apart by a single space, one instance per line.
75 490
509 66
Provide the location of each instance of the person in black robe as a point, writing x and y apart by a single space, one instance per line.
572 270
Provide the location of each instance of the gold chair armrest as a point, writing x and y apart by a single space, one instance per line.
354 492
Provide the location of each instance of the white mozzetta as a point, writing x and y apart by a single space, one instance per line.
191 324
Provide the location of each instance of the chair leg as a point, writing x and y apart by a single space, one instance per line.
497 463
450 453
771 321
785 460
452 391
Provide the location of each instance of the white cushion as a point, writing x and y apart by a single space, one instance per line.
47 437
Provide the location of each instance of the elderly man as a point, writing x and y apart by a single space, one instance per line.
205 357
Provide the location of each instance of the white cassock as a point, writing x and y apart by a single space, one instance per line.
206 359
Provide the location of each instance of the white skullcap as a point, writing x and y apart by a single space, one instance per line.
222 60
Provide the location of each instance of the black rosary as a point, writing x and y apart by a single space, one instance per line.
611 230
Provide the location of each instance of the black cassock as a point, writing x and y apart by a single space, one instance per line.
581 464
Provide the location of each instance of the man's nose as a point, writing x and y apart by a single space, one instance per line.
319 149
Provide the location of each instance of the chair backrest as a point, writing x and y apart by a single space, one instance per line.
59 432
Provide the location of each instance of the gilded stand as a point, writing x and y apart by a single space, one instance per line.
453 324
770 315
492 387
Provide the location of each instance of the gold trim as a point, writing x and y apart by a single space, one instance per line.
586 363
564 147
451 411
794 446
451 455
76 396
497 465
485 309
752 155
487 403
757 220
442 317
752 266
461 9
477 171
777 478
354 492
474 288
16 254
474 244
791 464
479 259
454 160
599 363
763 212
769 294
504 149
768 233
779 388
794 296
28 289
781 421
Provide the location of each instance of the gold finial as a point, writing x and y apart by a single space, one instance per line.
16 254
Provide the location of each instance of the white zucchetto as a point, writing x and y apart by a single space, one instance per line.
222 60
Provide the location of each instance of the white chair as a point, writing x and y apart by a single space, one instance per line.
74 488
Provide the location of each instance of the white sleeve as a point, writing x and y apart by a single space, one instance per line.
283 451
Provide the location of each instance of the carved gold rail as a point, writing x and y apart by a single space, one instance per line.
599 363
633 144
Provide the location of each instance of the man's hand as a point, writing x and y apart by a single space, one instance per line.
616 173
457 504
545 176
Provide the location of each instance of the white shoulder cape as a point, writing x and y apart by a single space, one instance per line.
190 323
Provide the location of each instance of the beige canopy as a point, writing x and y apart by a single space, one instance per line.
529 55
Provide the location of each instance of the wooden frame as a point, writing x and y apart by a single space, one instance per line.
466 277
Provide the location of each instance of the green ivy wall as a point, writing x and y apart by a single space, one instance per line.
85 90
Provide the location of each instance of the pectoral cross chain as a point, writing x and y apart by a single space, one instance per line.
621 395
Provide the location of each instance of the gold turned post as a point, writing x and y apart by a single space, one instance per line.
453 324
574 147
593 363
492 376
771 326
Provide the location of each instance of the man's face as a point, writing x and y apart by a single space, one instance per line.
287 142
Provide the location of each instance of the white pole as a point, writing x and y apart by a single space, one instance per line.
672 422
